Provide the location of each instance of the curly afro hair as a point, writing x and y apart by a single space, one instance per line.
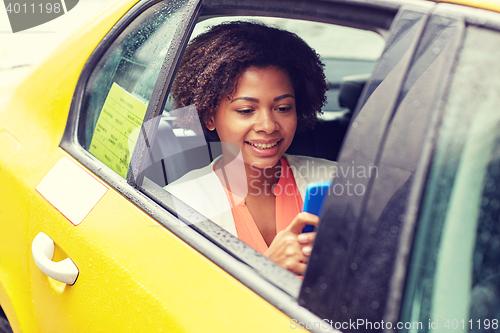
213 61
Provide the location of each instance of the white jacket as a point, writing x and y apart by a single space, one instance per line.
202 190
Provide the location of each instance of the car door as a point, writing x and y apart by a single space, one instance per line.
367 134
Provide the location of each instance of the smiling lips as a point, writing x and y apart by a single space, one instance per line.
263 149
263 145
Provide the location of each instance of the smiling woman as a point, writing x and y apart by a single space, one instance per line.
260 118
253 86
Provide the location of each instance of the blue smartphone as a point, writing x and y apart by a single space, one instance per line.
313 202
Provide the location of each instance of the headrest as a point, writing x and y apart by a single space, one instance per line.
350 90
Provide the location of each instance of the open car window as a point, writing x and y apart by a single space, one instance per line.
179 168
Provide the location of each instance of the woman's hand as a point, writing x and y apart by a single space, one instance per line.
291 248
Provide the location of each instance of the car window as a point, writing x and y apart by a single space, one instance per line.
121 84
454 275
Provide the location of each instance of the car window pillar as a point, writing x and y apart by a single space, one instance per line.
330 263
143 148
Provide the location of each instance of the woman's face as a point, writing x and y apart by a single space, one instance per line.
259 117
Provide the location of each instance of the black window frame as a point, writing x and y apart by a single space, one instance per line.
341 224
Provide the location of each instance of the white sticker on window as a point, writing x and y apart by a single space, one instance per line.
71 190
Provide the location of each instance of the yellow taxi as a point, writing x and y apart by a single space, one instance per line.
409 239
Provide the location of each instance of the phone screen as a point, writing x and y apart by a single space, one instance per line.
313 202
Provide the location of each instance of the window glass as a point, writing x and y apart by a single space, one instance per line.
454 276
121 84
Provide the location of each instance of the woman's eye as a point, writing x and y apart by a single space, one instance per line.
283 108
245 111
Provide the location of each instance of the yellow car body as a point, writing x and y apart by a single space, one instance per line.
134 274
482 4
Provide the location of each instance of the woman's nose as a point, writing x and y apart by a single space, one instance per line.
265 122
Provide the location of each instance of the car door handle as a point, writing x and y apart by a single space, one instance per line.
43 251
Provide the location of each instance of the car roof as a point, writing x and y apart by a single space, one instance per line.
493 5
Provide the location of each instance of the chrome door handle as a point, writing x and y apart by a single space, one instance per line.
42 249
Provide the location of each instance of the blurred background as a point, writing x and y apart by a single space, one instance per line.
33 45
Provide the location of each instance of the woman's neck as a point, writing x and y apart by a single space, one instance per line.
243 179
262 181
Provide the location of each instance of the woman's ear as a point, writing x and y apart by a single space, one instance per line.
210 123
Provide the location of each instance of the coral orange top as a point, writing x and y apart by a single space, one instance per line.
288 205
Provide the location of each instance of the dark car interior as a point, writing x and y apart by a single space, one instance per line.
326 138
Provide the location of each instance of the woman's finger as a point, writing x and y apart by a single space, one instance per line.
301 220
306 238
306 250
299 268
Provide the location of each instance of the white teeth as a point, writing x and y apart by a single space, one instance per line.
264 145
